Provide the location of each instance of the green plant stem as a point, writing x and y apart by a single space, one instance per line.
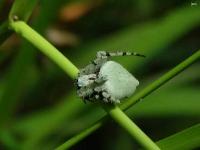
81 135
73 140
44 46
125 122
149 89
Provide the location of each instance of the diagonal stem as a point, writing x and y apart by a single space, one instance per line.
45 47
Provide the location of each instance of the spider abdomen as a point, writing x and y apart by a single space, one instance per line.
119 82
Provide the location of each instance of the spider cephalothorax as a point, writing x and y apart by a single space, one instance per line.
106 80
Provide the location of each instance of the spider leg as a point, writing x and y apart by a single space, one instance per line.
89 69
100 80
108 98
104 54
98 62
99 89
86 80
96 96
84 92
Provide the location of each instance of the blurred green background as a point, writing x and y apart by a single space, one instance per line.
39 108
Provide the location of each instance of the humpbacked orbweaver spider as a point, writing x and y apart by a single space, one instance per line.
106 80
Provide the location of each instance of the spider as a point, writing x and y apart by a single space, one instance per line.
106 80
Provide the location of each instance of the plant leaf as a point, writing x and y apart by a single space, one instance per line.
184 140
22 9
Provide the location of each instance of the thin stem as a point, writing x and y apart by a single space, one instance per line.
148 90
125 122
81 135
45 47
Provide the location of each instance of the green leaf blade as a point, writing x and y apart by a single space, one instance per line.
184 140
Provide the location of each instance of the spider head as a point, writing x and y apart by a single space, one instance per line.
86 80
